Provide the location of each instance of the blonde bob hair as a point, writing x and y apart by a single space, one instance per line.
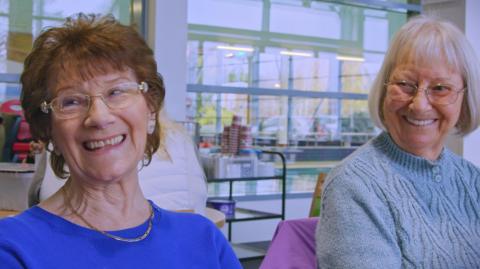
427 39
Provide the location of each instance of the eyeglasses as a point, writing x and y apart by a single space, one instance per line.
439 94
70 104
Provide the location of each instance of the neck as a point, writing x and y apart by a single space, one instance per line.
109 207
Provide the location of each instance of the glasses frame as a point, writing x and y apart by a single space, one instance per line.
45 107
426 90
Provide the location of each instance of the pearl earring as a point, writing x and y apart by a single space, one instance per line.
151 126
54 149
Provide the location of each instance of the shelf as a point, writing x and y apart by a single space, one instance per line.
219 180
250 250
242 214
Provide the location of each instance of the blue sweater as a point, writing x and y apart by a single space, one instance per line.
385 208
39 239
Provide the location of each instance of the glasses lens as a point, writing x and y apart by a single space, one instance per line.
121 95
70 105
401 91
442 94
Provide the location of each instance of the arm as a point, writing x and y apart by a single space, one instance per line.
8 258
226 256
356 228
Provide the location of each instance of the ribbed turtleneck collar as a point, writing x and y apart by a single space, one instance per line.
409 161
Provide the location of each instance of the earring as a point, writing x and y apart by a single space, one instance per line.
151 126
141 164
52 148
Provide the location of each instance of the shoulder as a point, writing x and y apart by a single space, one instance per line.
363 166
21 229
461 163
366 155
20 221
184 220
463 169
192 228
362 177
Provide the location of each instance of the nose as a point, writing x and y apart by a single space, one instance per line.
98 114
420 101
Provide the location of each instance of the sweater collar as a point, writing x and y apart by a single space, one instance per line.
406 159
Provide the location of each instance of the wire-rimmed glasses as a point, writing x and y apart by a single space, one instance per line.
71 104
439 94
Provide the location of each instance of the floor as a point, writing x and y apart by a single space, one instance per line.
252 264
244 252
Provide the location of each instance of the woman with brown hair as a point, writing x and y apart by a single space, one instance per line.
92 94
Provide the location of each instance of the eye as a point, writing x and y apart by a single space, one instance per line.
406 86
439 88
117 91
71 101
121 90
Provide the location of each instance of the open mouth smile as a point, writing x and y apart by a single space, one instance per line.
419 122
99 144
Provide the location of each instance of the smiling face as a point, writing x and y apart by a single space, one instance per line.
416 125
105 144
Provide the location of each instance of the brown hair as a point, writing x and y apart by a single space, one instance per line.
87 46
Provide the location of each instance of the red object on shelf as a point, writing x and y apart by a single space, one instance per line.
18 147
21 144
12 107
23 133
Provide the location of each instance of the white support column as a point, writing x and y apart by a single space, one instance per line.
167 31
464 14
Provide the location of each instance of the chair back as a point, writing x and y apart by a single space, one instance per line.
292 246
317 196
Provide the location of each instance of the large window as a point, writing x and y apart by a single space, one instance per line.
22 20
298 72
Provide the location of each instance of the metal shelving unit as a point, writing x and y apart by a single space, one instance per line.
254 250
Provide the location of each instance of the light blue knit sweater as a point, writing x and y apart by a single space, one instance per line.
385 208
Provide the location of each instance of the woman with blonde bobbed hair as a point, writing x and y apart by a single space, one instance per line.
403 200
91 93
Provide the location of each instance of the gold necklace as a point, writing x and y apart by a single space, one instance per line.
118 238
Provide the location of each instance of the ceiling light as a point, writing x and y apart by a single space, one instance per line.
350 58
235 48
293 53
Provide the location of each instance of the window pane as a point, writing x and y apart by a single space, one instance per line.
305 20
356 125
244 14
297 75
22 21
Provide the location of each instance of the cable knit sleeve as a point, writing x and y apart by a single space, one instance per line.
356 228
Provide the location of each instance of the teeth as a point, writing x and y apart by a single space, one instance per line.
419 122
102 143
